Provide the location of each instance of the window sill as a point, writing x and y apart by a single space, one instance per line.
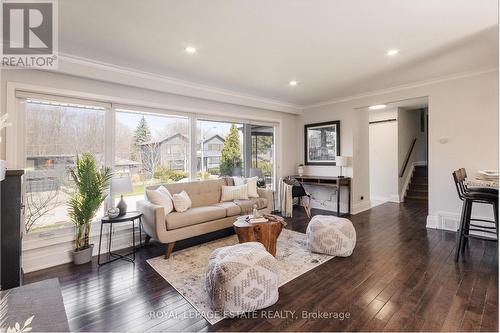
37 240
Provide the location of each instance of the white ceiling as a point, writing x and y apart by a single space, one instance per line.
334 48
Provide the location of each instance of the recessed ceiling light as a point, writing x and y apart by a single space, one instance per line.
377 107
392 52
293 83
190 49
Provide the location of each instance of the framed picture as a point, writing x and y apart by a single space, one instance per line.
321 143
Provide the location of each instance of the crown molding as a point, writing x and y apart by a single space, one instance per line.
89 68
96 70
397 88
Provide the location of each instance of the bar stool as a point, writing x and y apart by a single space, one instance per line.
469 197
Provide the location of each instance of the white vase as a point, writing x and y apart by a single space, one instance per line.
300 170
2 169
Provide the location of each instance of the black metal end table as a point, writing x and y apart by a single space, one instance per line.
128 217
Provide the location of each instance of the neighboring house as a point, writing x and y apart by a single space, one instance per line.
171 152
212 152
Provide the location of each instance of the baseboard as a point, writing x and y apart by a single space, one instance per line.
448 221
361 206
54 254
376 201
432 222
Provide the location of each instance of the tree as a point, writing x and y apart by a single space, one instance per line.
231 153
142 134
150 157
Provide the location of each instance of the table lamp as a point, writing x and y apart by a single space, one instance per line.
120 186
341 161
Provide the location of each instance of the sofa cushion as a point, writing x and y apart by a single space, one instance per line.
162 197
247 205
230 193
202 193
192 216
231 208
251 182
182 202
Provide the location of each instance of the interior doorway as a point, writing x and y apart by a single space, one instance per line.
398 151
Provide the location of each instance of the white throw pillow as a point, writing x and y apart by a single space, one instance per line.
162 197
182 202
252 187
238 181
230 193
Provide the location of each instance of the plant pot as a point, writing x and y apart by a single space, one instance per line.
83 256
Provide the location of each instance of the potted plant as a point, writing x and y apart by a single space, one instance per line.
91 185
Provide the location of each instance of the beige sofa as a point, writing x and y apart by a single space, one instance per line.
206 215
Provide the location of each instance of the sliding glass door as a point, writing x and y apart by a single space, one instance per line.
262 153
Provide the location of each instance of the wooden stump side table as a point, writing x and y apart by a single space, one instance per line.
266 233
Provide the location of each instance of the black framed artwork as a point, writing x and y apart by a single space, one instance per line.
321 143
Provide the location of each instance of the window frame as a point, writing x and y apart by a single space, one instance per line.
15 152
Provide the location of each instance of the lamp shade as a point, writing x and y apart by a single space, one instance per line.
341 160
121 185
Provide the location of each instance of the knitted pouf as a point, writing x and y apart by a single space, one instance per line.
331 235
242 278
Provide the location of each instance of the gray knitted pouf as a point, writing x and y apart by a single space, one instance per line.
331 235
242 278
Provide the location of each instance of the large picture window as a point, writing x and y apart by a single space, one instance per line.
219 149
150 146
55 134
150 149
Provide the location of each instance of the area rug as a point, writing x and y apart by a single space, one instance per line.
185 270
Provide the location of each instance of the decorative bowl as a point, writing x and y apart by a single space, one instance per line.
113 212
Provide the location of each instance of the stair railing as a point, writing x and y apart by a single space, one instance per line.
407 159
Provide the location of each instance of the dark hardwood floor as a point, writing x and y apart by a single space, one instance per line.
401 277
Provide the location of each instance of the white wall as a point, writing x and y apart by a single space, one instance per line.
463 110
383 151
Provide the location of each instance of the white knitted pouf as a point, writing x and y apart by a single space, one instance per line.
242 278
331 235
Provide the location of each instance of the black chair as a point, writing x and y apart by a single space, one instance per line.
469 196
298 190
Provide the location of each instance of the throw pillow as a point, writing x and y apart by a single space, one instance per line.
162 197
238 181
230 193
182 202
252 185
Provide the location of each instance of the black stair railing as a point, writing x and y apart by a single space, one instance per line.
407 159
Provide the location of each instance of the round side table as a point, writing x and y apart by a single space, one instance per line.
128 217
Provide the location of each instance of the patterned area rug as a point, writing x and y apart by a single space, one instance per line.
185 270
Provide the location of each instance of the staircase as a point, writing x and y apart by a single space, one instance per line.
418 187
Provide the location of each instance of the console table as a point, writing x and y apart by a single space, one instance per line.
336 182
